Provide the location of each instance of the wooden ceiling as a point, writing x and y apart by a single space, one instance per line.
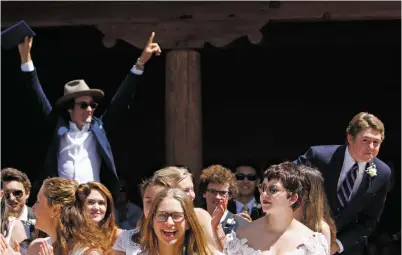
188 24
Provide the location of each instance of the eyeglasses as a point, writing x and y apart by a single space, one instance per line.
16 193
177 217
84 105
220 192
273 189
250 177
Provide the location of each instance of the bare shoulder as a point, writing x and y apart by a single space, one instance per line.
301 230
202 214
250 228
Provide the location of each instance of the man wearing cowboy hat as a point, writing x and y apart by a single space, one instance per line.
76 146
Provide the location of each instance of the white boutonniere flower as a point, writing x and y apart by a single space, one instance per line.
257 205
372 170
230 222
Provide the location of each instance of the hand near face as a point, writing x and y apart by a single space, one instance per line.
219 211
150 48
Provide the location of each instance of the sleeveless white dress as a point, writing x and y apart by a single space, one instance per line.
125 244
316 244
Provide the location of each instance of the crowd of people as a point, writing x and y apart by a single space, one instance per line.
327 201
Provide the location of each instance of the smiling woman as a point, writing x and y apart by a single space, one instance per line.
97 203
173 228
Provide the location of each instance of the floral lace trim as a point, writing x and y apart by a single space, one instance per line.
130 237
315 244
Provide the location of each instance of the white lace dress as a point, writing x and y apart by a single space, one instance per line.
316 244
125 244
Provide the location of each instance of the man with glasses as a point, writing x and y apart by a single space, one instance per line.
16 188
218 185
246 203
76 145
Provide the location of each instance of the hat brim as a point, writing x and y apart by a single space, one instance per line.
97 94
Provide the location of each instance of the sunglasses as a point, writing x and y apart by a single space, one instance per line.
272 189
220 192
84 105
177 217
250 177
16 193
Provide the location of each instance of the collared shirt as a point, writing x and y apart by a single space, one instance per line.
240 205
348 162
78 156
224 216
24 217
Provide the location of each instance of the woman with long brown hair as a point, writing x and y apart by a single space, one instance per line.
173 228
169 177
314 210
60 215
97 203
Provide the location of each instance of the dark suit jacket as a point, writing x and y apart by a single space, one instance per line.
359 218
55 126
238 222
256 213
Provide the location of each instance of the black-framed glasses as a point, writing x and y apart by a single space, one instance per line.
177 217
272 189
220 192
250 177
16 193
84 105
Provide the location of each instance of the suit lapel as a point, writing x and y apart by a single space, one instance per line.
331 177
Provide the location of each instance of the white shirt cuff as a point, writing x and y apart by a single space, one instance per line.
27 67
340 246
134 70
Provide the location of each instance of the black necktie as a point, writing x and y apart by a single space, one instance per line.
346 188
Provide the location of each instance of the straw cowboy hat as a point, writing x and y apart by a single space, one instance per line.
78 88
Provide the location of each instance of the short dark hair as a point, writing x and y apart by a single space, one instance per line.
11 174
291 178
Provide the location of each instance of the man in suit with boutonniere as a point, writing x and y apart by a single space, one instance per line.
356 181
246 203
217 186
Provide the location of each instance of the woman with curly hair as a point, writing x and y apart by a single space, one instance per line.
60 215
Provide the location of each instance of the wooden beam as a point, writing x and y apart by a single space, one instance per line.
183 111
188 24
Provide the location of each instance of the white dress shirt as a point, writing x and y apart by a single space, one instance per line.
78 156
348 162
240 205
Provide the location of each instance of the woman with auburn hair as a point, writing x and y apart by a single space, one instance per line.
97 203
314 210
173 227
59 214
170 177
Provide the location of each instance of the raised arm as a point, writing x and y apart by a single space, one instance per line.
31 78
126 91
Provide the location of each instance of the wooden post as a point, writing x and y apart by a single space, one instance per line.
183 111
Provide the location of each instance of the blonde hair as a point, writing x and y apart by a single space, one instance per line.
195 237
